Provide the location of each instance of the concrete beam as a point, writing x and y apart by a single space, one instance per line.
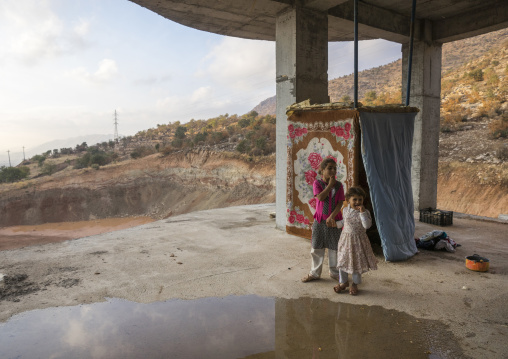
251 20
301 74
426 95
385 19
374 22
471 24
322 5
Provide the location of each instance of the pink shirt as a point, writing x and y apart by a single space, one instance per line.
335 198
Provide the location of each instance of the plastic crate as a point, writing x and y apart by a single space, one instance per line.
436 216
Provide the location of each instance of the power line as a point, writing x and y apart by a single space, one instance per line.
115 136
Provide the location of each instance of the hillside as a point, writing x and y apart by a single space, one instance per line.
388 78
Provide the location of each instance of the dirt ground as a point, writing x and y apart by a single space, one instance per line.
24 236
237 251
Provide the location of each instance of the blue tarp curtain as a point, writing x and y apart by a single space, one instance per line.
387 140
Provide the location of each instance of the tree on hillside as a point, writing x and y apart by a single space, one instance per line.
180 132
66 150
200 137
39 159
243 122
13 174
82 147
243 146
94 156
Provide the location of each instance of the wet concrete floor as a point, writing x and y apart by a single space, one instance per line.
229 327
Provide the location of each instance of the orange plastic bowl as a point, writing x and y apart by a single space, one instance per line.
477 263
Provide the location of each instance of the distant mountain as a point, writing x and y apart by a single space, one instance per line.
17 157
388 78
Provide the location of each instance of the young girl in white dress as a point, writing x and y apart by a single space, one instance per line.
354 252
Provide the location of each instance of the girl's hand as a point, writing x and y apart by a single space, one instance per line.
331 182
361 208
330 222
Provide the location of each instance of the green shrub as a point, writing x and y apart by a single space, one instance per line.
177 143
270 119
499 128
261 143
244 122
218 136
345 98
13 174
250 134
48 169
142 151
180 132
476 75
100 158
83 161
39 159
243 146
200 137
94 156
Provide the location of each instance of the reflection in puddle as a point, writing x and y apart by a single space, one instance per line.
229 327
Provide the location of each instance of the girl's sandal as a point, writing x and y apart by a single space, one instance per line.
309 278
340 287
353 290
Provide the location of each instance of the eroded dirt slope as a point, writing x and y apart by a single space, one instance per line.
160 187
474 188
154 186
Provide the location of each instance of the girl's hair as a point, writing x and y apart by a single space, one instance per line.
355 191
325 163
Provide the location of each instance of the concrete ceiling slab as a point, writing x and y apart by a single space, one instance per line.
436 20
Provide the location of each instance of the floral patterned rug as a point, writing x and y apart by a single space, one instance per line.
312 137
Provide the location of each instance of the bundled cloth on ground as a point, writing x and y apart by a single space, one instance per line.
436 240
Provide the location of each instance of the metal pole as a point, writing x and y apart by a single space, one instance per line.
356 54
410 60
8 154
24 159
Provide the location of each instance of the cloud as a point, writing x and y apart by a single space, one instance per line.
152 80
78 36
240 64
201 97
106 72
371 53
203 102
32 32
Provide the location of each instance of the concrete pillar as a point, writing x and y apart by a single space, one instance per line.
301 74
426 95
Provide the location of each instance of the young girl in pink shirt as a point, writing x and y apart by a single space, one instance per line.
329 194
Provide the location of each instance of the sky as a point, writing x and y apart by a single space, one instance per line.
67 65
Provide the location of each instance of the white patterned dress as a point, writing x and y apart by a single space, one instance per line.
354 252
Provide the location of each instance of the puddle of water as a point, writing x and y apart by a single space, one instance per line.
229 327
